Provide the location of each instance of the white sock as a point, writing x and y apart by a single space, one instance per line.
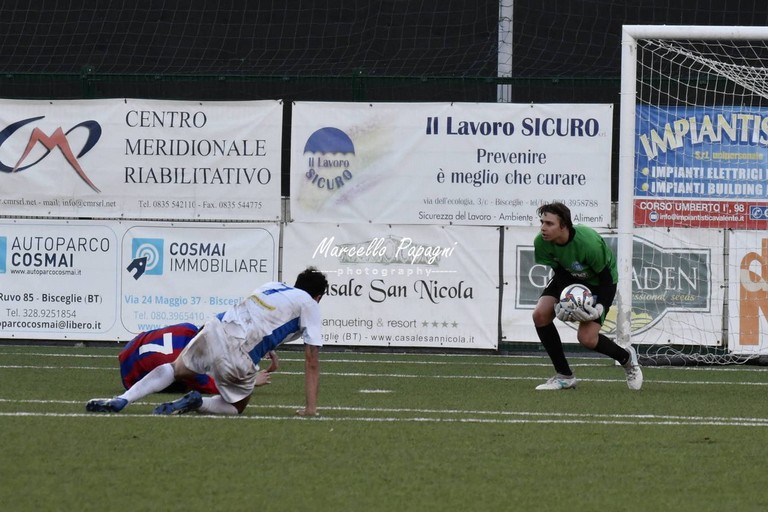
155 381
217 405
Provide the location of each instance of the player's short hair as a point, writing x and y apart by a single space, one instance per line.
560 210
312 281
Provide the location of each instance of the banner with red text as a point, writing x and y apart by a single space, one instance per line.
701 166
149 159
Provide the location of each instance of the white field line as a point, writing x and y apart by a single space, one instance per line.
393 415
517 360
476 360
620 377
466 412
484 361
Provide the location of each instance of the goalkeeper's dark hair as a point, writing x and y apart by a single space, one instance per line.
560 210
312 281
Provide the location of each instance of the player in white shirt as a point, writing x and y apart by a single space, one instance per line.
230 347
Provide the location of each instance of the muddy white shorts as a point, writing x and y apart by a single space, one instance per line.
221 355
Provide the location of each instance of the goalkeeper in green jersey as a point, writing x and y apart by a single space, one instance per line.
576 254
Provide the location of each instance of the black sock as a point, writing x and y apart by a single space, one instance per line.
550 338
608 347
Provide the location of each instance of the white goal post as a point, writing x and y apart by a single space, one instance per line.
701 78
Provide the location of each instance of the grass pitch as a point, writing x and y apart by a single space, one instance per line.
406 432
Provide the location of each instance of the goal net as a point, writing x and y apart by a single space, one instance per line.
693 193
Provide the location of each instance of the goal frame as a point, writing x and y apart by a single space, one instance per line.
625 210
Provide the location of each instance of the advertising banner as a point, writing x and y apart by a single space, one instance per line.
402 286
82 280
148 159
59 280
748 264
441 163
677 288
701 167
186 273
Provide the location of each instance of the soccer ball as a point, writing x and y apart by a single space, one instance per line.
575 296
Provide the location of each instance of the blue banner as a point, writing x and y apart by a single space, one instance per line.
701 152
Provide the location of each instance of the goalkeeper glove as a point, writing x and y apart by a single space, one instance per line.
588 314
563 313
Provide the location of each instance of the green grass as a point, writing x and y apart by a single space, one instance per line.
410 432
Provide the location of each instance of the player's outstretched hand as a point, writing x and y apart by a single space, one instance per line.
562 313
263 377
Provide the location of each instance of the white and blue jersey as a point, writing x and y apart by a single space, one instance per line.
272 314
229 347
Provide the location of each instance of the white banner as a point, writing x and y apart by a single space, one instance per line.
110 280
149 159
677 289
748 291
59 280
440 163
402 286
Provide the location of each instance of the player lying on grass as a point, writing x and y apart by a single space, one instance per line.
230 347
576 254
150 349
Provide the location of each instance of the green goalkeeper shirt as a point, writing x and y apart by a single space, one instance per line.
585 256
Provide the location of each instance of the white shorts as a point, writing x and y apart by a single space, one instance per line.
214 352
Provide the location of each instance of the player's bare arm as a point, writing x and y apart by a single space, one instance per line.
275 361
311 379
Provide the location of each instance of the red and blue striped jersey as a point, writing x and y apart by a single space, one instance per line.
150 349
